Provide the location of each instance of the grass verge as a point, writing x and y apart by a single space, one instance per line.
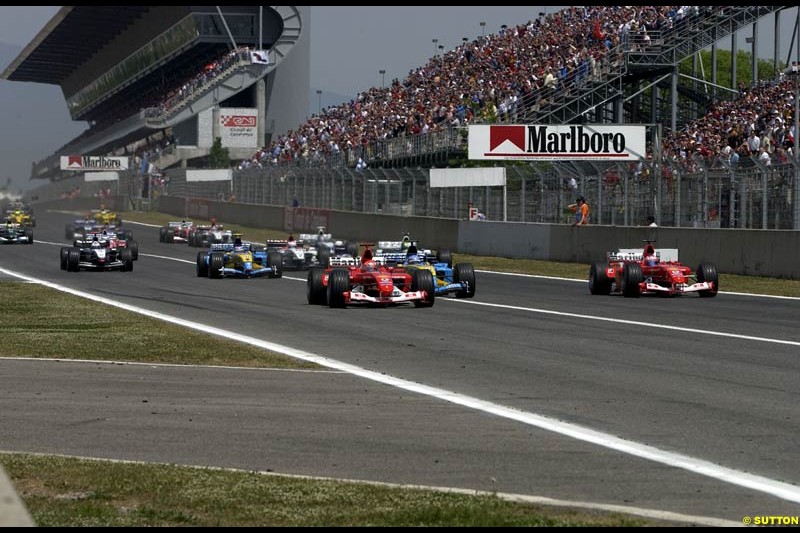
61 492
42 322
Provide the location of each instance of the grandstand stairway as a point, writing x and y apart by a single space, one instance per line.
595 100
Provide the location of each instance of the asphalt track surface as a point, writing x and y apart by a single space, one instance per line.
686 405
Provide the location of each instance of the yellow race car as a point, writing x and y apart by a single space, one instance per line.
23 218
103 216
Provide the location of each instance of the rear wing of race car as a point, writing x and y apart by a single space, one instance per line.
389 246
306 237
277 243
340 261
636 254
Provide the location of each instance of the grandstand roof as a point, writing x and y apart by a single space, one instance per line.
68 40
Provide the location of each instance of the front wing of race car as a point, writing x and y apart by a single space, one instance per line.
678 288
396 297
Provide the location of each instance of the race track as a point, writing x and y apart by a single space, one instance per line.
684 404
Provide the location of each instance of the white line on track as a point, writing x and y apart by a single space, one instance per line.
755 482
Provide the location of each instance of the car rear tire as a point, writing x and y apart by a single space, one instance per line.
324 257
133 246
127 260
444 256
275 262
465 272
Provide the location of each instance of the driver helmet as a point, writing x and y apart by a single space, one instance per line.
650 260
369 266
95 242
412 259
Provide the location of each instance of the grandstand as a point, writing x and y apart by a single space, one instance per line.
145 76
579 65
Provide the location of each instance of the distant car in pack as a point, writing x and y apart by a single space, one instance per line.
636 271
294 254
111 239
208 234
95 254
324 247
21 217
11 233
105 216
180 231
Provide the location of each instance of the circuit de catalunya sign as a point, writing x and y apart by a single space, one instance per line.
544 142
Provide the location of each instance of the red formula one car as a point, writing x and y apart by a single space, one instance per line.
647 271
364 280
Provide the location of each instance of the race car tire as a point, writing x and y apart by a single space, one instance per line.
465 272
316 292
170 236
422 280
215 265
127 260
444 256
133 246
631 278
64 257
275 262
29 235
162 234
599 282
202 266
73 260
324 257
338 284
352 248
708 272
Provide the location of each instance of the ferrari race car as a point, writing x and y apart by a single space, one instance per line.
11 233
95 254
637 271
176 231
238 260
458 279
364 280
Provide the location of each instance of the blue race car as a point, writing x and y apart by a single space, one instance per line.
458 279
238 260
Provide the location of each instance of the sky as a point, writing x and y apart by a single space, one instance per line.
349 45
